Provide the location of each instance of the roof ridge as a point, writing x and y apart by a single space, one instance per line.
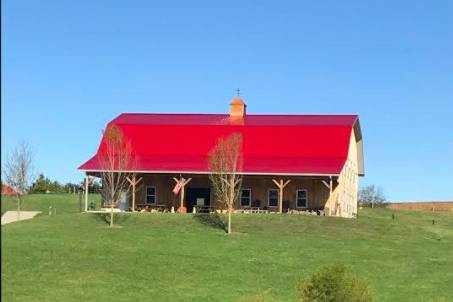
248 114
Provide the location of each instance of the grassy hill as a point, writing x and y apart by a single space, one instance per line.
171 257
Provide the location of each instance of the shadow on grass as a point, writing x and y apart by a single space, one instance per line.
104 218
212 220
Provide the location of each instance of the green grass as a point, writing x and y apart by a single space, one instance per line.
172 257
61 203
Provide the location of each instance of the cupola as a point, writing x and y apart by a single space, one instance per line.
237 108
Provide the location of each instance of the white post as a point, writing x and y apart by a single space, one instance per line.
330 196
86 193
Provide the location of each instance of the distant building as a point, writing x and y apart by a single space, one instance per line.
7 190
321 155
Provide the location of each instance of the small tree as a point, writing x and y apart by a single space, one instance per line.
115 160
44 185
371 196
18 172
225 161
334 284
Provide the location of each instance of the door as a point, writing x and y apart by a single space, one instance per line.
197 196
123 204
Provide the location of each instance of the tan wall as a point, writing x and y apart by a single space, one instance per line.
318 193
345 194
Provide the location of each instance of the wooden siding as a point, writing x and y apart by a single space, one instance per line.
318 193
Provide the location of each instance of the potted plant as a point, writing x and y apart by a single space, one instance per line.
182 210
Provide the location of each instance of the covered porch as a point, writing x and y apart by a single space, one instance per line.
188 193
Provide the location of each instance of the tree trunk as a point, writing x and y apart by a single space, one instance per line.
18 207
229 221
111 215
231 203
133 193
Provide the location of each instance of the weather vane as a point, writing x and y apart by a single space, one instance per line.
238 92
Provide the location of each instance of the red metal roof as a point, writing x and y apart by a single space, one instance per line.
272 144
7 190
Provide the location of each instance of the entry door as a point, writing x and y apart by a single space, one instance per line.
197 196
122 201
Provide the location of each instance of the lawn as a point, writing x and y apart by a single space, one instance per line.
74 256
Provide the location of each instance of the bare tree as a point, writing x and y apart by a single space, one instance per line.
371 196
18 172
225 163
115 160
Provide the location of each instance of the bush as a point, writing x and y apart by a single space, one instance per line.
334 284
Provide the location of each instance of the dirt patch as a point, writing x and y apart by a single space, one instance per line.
11 216
434 206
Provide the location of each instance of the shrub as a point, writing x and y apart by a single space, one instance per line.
334 284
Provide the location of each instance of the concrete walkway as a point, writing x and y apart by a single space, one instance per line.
11 216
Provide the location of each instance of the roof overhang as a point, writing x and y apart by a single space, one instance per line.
359 140
208 173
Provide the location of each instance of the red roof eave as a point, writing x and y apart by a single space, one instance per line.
252 165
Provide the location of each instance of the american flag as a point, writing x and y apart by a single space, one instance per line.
177 188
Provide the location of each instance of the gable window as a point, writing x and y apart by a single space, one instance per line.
246 197
272 198
150 195
302 197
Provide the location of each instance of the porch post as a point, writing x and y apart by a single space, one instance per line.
280 185
181 197
133 192
86 193
182 182
133 183
330 196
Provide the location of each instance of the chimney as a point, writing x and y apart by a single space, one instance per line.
237 108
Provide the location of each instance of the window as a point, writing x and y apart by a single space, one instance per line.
150 194
302 198
246 197
272 198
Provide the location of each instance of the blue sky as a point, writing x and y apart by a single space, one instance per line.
68 67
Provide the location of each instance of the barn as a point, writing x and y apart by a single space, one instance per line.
290 162
7 190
